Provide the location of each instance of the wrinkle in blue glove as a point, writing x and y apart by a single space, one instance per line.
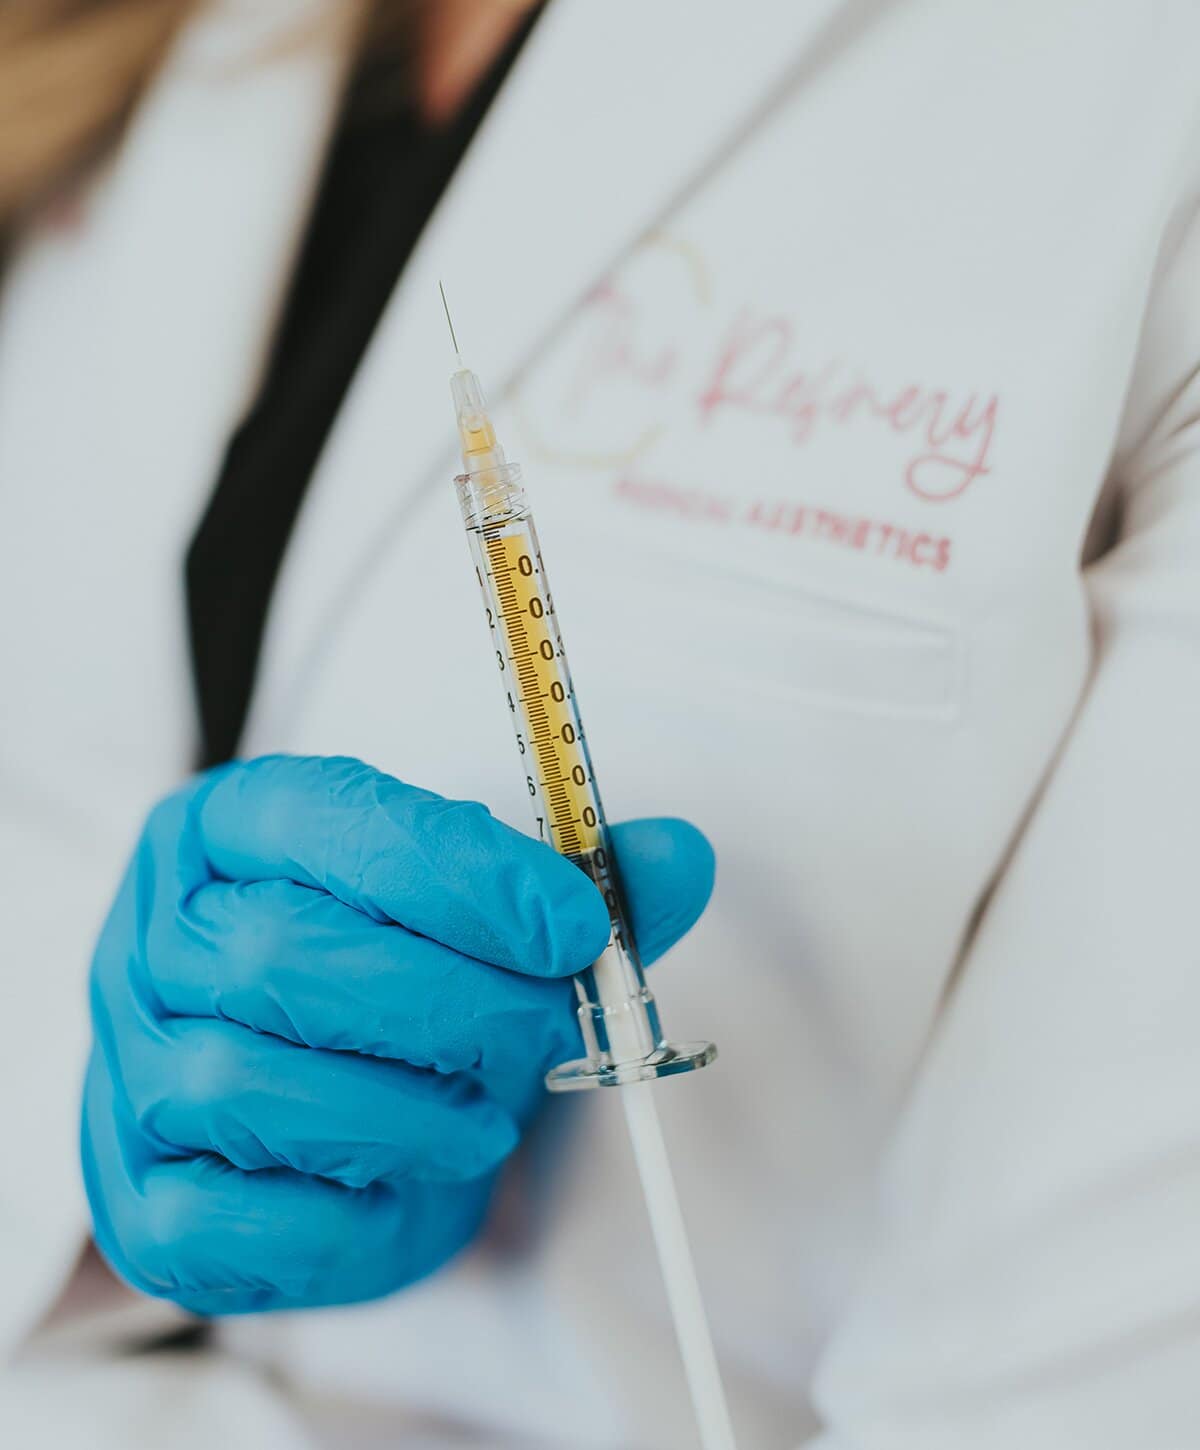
323 1004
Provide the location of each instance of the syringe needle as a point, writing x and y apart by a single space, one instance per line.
450 324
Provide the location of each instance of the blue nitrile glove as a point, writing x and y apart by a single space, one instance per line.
323 1004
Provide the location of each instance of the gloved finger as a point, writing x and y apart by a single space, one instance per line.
667 870
216 1239
410 1235
292 961
445 869
259 1102
295 962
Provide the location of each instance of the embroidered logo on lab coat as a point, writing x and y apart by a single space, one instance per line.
655 356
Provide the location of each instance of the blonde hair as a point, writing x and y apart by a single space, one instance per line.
71 72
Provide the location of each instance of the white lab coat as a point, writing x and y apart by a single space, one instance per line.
833 337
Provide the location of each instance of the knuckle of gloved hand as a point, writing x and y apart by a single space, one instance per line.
197 1075
178 1248
146 1094
270 786
206 1066
260 937
158 1235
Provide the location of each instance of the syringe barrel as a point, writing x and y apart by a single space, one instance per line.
618 1019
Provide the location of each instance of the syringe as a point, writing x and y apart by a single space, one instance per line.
624 1044
623 1040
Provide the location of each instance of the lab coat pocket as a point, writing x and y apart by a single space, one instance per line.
742 642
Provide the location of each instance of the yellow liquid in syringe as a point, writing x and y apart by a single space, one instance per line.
532 650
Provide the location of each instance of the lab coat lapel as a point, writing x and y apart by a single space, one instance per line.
186 242
218 177
134 325
515 267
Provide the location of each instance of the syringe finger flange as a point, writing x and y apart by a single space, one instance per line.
587 1072
618 1021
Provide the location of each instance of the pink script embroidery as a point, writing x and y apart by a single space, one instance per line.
753 373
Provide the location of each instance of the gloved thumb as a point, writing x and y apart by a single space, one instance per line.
667 869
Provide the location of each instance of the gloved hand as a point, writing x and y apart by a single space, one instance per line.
323 1004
